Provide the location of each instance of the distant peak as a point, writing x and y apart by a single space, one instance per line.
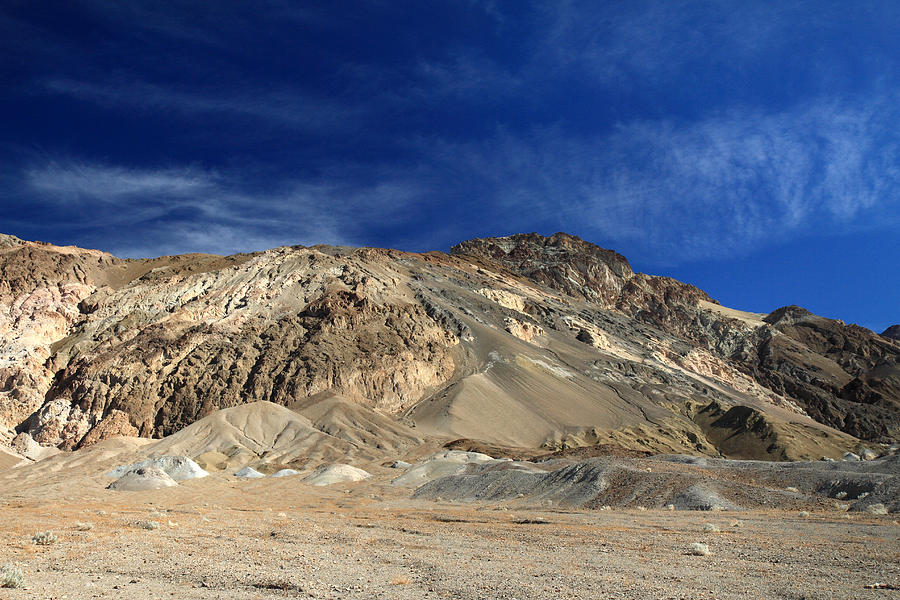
534 247
787 315
892 332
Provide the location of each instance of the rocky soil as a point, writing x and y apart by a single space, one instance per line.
216 537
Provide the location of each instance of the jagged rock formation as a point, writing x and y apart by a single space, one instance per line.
523 341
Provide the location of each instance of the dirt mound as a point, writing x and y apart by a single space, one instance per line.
249 473
179 468
438 465
258 431
330 474
141 479
284 473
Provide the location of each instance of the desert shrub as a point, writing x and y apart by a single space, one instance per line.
698 549
711 528
11 576
148 525
44 538
86 526
877 509
804 514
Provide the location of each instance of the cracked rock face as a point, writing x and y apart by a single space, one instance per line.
518 341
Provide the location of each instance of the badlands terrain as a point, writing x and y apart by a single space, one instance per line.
524 417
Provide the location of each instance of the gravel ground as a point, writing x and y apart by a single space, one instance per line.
219 538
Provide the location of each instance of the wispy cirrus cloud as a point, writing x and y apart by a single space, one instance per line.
646 43
74 180
294 109
691 190
150 211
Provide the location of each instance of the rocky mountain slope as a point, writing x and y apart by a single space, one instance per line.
519 342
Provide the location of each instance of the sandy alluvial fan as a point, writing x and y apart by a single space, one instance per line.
327 357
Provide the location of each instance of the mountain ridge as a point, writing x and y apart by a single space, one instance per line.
556 331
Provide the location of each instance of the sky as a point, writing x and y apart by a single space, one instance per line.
751 148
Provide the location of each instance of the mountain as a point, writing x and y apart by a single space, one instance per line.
892 332
520 342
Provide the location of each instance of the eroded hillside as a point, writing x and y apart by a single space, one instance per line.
519 342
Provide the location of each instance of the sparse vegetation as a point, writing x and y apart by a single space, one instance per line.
804 514
85 526
711 528
148 525
699 549
44 538
877 509
11 576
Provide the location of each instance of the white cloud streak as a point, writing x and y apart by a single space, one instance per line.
72 180
290 108
718 187
175 210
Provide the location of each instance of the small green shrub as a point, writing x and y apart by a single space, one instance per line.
11 576
44 538
699 549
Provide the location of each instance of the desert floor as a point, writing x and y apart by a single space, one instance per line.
222 538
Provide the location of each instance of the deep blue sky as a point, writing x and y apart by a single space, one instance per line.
750 148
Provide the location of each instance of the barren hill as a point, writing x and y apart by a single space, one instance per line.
522 342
